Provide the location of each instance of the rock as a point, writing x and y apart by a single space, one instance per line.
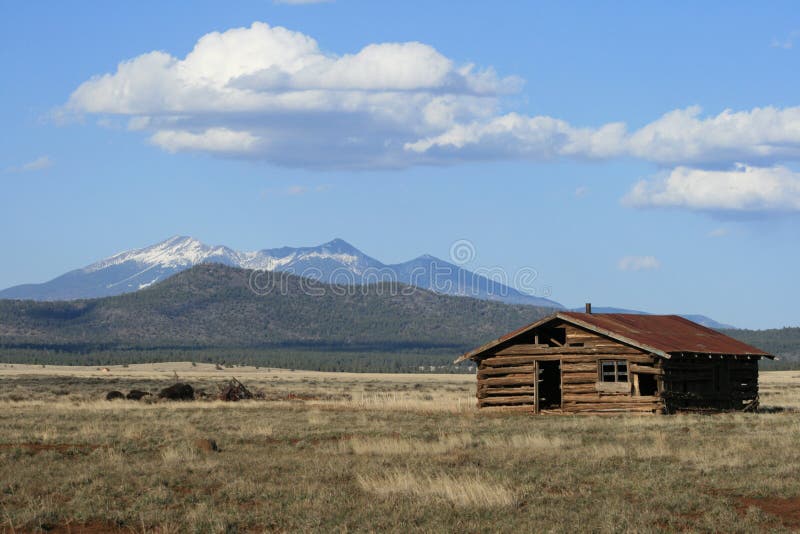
179 391
113 395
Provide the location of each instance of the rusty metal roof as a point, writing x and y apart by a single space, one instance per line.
659 334
667 333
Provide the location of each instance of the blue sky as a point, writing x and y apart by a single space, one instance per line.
589 142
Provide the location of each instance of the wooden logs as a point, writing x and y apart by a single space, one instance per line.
578 388
516 399
502 392
645 370
518 380
618 388
609 399
579 378
580 367
524 408
608 407
591 357
498 371
538 350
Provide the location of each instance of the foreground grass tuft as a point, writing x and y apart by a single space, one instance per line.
462 491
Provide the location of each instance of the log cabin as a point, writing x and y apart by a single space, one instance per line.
604 363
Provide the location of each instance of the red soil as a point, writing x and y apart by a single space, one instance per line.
787 510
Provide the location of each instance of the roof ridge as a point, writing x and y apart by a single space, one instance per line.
650 333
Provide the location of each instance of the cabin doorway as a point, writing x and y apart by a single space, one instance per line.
549 385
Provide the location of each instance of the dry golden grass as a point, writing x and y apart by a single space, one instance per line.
471 490
372 452
780 388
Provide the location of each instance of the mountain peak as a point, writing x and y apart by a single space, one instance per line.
179 239
176 251
339 244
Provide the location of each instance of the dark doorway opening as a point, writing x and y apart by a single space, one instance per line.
647 385
549 384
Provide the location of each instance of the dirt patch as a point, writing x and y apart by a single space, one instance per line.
204 489
206 445
787 510
182 490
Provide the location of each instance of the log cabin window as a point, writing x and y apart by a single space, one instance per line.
613 370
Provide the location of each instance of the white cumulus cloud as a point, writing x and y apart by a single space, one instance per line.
638 263
298 104
765 134
744 188
270 93
678 137
219 140
39 164
518 136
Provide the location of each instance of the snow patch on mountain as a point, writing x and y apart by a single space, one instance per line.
183 252
148 284
178 251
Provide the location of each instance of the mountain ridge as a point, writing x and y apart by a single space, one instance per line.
336 261
211 312
214 305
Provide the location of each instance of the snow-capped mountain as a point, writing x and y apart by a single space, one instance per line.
334 262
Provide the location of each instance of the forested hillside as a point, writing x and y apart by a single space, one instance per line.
211 310
782 342
211 313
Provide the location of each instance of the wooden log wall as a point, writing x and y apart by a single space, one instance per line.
508 383
582 392
703 382
511 376
743 381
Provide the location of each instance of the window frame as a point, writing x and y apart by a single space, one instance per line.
615 372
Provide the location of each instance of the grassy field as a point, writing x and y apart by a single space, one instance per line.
376 452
